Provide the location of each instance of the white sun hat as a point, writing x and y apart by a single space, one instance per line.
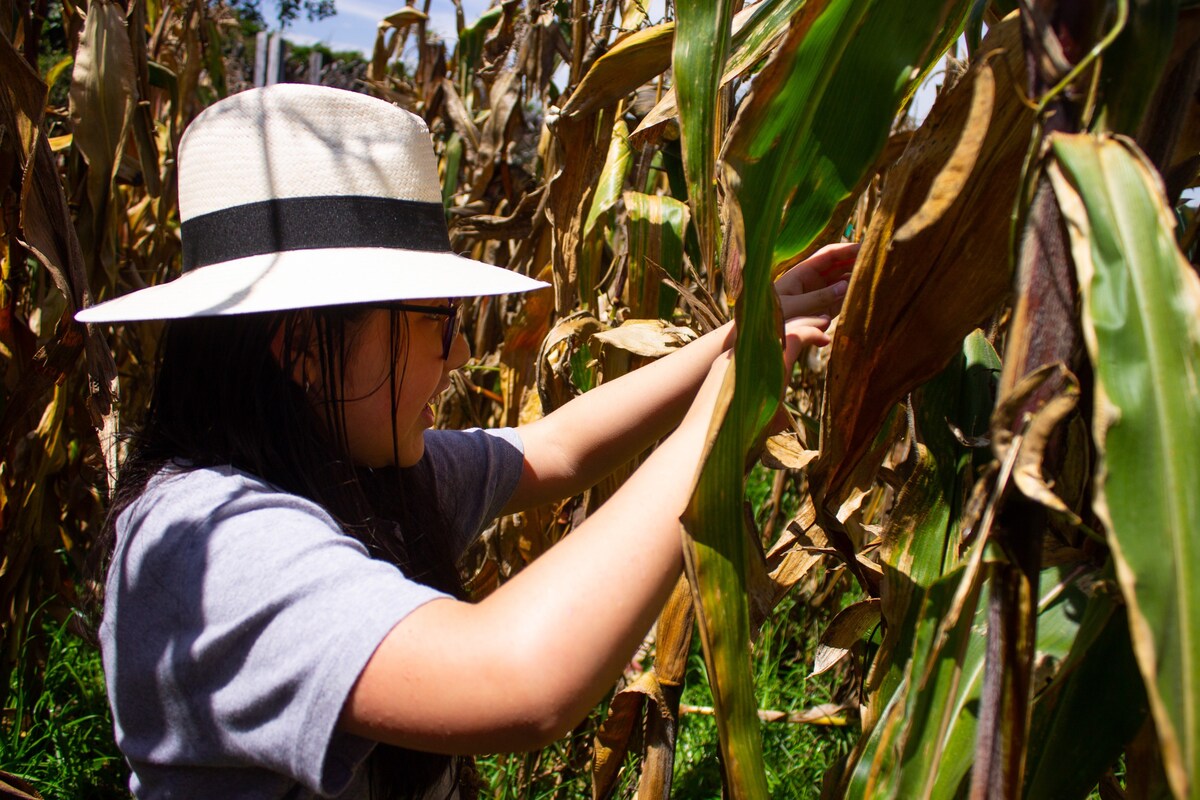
297 196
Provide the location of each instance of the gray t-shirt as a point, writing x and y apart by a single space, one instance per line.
238 617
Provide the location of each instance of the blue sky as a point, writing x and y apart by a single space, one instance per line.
353 27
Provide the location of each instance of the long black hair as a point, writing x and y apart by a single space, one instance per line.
224 394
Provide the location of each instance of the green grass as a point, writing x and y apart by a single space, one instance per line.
797 756
59 738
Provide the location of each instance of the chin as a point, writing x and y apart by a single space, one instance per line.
409 456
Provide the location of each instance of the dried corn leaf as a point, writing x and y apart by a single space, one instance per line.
631 61
911 302
103 83
650 338
625 712
845 630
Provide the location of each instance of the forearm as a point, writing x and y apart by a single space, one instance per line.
578 444
599 590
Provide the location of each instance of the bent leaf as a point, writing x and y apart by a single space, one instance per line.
630 62
848 627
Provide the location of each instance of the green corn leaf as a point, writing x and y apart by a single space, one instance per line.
698 60
657 227
921 543
820 112
902 750
768 160
1057 627
1134 64
959 398
715 556
1141 322
756 31
715 551
612 177
1100 664
470 48
924 742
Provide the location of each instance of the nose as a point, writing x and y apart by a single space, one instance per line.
460 352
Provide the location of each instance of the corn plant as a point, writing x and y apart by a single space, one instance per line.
997 452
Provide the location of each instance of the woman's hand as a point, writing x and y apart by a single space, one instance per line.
818 284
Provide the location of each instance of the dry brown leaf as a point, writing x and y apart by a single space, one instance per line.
103 83
784 451
911 302
951 180
581 146
624 717
632 60
464 125
833 714
650 338
1042 422
554 360
845 630
405 16
661 688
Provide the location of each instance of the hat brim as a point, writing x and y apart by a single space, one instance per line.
310 279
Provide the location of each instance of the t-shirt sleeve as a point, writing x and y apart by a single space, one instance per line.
475 471
254 615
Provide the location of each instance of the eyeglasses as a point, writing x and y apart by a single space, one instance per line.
451 327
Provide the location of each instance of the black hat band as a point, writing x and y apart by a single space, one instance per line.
313 223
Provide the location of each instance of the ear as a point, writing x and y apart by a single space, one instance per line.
299 355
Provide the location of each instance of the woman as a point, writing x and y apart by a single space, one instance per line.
283 615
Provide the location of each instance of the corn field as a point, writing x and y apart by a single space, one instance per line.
999 453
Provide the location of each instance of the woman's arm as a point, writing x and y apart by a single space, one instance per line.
522 667
572 448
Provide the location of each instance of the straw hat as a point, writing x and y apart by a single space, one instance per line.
296 196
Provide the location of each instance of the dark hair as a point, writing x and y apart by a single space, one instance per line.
222 397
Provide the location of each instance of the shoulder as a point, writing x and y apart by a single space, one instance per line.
189 517
208 496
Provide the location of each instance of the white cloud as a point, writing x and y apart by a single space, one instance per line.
370 11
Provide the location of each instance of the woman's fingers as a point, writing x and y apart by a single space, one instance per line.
803 332
826 300
827 266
